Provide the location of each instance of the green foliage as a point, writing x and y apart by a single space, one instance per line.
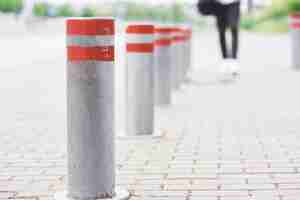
274 25
65 10
134 11
158 13
276 11
179 15
41 9
88 11
271 19
8 6
248 23
293 6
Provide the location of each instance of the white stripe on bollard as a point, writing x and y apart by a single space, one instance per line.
90 100
87 41
139 38
139 63
162 65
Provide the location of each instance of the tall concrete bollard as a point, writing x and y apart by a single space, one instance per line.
162 65
184 52
90 100
189 48
295 39
179 56
176 58
140 86
187 51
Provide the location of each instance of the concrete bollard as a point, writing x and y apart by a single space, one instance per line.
187 51
140 86
295 39
90 101
176 58
179 56
184 53
162 65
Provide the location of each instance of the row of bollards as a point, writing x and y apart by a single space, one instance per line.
157 60
162 65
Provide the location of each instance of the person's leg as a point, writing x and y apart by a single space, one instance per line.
222 38
235 41
234 26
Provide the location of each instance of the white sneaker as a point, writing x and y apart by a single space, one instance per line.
224 67
234 67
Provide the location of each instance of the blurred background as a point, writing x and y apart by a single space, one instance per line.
32 41
259 15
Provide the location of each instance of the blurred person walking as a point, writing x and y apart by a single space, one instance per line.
228 17
227 13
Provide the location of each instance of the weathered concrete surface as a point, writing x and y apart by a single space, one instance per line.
234 140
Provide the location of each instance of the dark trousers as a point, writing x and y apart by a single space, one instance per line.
228 17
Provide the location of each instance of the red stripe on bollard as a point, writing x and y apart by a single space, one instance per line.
76 53
140 48
176 29
164 30
295 25
163 42
294 21
90 27
295 16
140 29
179 38
188 34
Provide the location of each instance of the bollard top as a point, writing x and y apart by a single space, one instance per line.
163 35
140 29
294 15
140 38
294 21
163 29
176 29
182 33
90 26
82 43
187 32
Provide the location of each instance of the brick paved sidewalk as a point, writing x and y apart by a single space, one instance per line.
233 141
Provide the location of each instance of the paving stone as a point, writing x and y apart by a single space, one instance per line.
206 198
159 193
163 198
7 195
236 198
181 187
177 181
207 186
249 187
291 192
290 186
220 193
192 176
269 194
